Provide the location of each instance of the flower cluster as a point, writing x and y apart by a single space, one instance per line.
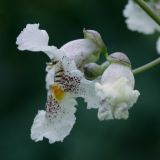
138 20
112 93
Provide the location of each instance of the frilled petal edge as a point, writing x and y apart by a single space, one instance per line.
32 38
138 20
116 99
57 127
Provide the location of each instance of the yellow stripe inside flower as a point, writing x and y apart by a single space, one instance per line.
57 92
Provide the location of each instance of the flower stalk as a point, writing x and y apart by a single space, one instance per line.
136 71
148 10
147 66
93 70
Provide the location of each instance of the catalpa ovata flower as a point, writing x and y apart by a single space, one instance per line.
64 82
116 89
138 20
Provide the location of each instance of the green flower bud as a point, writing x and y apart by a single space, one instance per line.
92 70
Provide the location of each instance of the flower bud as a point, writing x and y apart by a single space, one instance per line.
92 70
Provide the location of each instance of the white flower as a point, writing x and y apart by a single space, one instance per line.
64 83
116 89
138 20
84 51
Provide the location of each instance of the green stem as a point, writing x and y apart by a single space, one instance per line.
104 66
148 10
147 66
101 68
156 18
138 70
93 70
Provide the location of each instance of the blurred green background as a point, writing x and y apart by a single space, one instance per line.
22 84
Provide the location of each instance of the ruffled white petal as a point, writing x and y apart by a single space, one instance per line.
138 20
105 111
91 97
158 45
55 128
72 80
61 69
116 99
89 94
58 55
74 83
85 89
32 38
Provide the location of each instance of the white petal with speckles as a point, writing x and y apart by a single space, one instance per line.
55 128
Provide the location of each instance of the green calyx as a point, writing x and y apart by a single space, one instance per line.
95 37
93 70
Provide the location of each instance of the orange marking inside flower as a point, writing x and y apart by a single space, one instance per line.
57 92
